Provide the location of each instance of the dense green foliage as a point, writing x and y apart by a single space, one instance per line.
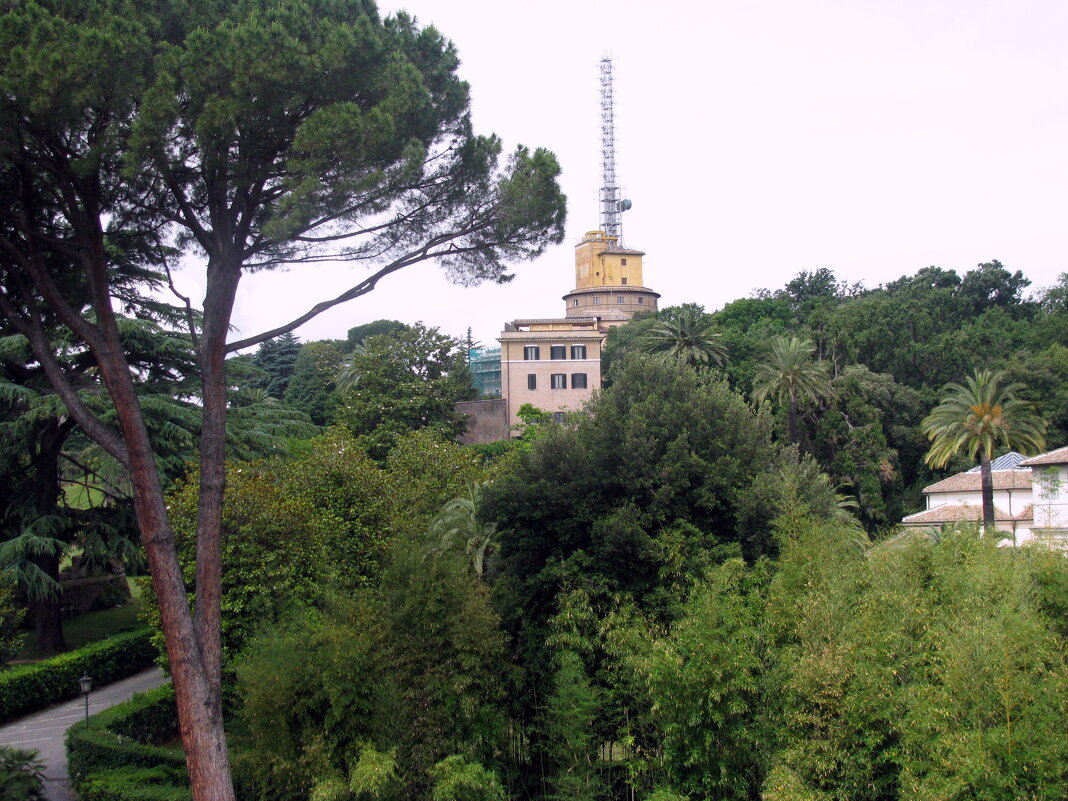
409 380
887 353
21 775
116 755
297 530
28 688
415 669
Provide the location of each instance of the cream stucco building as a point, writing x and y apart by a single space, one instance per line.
1030 499
554 363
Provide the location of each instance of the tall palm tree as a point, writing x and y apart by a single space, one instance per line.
458 524
977 416
688 336
791 374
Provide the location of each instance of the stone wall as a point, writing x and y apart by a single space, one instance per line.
487 420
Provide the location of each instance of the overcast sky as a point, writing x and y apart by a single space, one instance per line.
756 138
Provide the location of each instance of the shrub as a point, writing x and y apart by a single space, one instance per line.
136 784
112 756
29 688
94 593
21 775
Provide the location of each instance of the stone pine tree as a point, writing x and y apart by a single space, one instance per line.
976 417
253 134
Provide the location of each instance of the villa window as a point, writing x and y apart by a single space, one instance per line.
532 381
641 299
558 417
559 381
531 353
1050 482
619 299
558 352
578 351
597 301
578 381
624 280
574 303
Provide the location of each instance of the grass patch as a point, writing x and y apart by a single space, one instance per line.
92 626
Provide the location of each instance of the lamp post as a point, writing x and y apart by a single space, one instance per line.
86 684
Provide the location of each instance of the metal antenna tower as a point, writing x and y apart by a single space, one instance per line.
612 205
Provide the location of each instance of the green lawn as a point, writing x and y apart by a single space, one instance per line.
92 626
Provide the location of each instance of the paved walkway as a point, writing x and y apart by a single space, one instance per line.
44 731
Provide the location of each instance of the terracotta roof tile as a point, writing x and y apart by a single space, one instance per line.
1059 456
965 482
952 513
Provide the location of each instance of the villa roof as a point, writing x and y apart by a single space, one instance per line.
1059 456
1008 461
550 320
972 482
955 513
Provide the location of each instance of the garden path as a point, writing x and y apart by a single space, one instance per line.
44 731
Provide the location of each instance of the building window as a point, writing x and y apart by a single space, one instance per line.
574 303
597 301
559 380
641 299
623 262
532 381
619 299
578 351
531 353
558 417
558 352
578 380
1050 482
624 280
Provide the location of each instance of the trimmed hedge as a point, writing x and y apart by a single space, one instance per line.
29 688
135 784
111 757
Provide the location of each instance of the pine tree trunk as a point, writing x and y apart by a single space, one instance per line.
47 612
195 682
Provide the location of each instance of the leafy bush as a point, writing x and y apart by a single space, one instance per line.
21 775
112 756
415 669
91 594
28 688
136 784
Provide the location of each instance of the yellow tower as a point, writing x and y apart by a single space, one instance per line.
608 282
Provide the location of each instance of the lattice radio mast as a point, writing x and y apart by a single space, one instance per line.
612 205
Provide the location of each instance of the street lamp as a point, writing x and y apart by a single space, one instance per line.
86 684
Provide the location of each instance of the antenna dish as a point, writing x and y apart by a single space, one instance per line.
625 205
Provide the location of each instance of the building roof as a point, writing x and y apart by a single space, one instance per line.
1059 456
611 289
552 337
1028 513
972 482
551 320
1008 461
954 513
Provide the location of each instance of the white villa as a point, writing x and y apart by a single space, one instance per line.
1030 498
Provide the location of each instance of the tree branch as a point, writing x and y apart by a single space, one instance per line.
92 425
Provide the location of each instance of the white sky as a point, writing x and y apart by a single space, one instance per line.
757 138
